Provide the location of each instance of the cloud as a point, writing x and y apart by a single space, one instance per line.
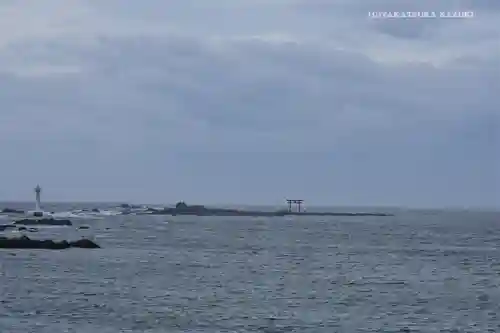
257 91
93 80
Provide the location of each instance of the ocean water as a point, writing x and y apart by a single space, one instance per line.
419 271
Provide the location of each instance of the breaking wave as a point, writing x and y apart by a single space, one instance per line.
82 214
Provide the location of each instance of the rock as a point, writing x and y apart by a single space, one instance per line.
83 227
84 244
45 221
25 242
95 210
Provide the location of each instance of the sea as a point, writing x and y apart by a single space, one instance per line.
417 271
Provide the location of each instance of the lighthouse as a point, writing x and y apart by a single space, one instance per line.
38 212
38 216
38 190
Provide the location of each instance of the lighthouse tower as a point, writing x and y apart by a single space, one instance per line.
38 212
38 190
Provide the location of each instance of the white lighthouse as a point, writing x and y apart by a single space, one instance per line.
38 190
38 212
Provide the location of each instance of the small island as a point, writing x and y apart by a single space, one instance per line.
181 208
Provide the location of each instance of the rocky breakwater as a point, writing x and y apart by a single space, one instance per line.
25 242
43 221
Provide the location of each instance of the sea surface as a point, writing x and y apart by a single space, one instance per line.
419 271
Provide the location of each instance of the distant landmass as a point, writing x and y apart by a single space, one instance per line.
181 208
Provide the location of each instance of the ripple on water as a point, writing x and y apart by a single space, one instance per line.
418 273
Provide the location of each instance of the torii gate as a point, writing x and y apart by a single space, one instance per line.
297 202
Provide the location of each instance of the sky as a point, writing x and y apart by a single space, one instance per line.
250 102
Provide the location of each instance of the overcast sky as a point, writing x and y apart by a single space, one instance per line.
250 101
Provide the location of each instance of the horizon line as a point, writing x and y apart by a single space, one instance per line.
399 207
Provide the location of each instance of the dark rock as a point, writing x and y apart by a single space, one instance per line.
4 227
83 227
22 228
46 221
84 244
25 242
12 211
95 210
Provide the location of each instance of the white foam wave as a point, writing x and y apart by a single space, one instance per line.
67 215
80 214
108 212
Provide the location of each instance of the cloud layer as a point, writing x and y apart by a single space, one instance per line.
227 101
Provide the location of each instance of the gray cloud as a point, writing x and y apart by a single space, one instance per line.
373 102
